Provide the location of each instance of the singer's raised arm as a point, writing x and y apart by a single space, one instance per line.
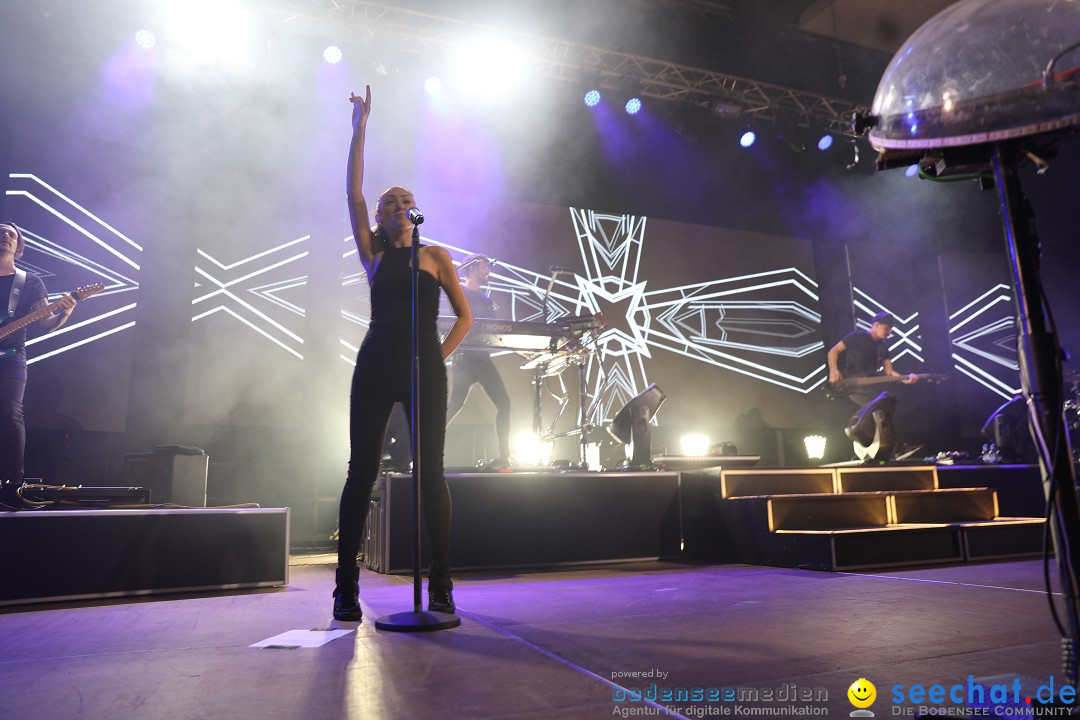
354 181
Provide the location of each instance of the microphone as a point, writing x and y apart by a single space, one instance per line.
415 216
556 270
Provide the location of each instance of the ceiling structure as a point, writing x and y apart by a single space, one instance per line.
879 24
739 59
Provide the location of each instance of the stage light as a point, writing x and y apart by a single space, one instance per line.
489 67
631 424
592 98
211 31
433 85
145 39
633 106
912 170
815 446
696 445
1007 428
332 54
748 138
529 449
825 142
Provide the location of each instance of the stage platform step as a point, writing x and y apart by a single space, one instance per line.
870 479
854 517
781 481
533 519
88 554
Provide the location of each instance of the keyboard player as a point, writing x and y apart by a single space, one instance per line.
475 367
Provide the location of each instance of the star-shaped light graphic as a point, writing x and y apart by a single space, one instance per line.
761 325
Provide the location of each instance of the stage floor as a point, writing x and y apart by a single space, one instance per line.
543 645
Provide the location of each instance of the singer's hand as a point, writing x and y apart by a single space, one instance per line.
361 109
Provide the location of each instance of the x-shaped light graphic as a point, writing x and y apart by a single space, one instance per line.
237 295
983 335
106 255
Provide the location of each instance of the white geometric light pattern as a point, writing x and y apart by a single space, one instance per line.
110 258
904 333
761 325
231 289
983 336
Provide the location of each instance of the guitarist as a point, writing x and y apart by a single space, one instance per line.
865 354
21 293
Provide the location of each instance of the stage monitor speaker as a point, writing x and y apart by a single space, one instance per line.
1007 427
631 424
172 474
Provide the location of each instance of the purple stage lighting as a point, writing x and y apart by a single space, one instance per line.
825 142
332 54
912 170
747 138
633 105
592 98
145 39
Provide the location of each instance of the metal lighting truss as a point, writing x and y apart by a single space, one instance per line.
727 95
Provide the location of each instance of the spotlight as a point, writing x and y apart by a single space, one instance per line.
815 446
528 447
855 156
332 54
912 170
694 445
592 98
145 39
631 424
825 142
748 138
433 85
633 106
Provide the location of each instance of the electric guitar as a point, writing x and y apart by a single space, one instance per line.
13 327
843 388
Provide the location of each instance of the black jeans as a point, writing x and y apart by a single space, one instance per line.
382 378
470 368
12 423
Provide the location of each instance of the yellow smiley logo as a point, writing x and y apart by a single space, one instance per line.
862 693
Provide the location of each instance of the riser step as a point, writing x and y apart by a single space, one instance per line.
827 512
945 506
747 483
879 479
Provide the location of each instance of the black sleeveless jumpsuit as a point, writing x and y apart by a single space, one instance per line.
382 378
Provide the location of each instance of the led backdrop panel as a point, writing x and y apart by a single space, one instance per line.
79 374
726 322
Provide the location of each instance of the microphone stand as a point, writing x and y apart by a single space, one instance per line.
1040 373
417 620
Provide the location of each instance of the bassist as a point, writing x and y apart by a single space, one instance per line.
863 354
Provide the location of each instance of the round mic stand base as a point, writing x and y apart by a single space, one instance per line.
417 621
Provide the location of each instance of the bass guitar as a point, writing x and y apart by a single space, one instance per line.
13 327
843 388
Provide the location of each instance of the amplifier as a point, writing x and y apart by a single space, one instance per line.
169 476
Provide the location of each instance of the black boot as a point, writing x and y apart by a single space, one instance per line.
440 596
347 594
